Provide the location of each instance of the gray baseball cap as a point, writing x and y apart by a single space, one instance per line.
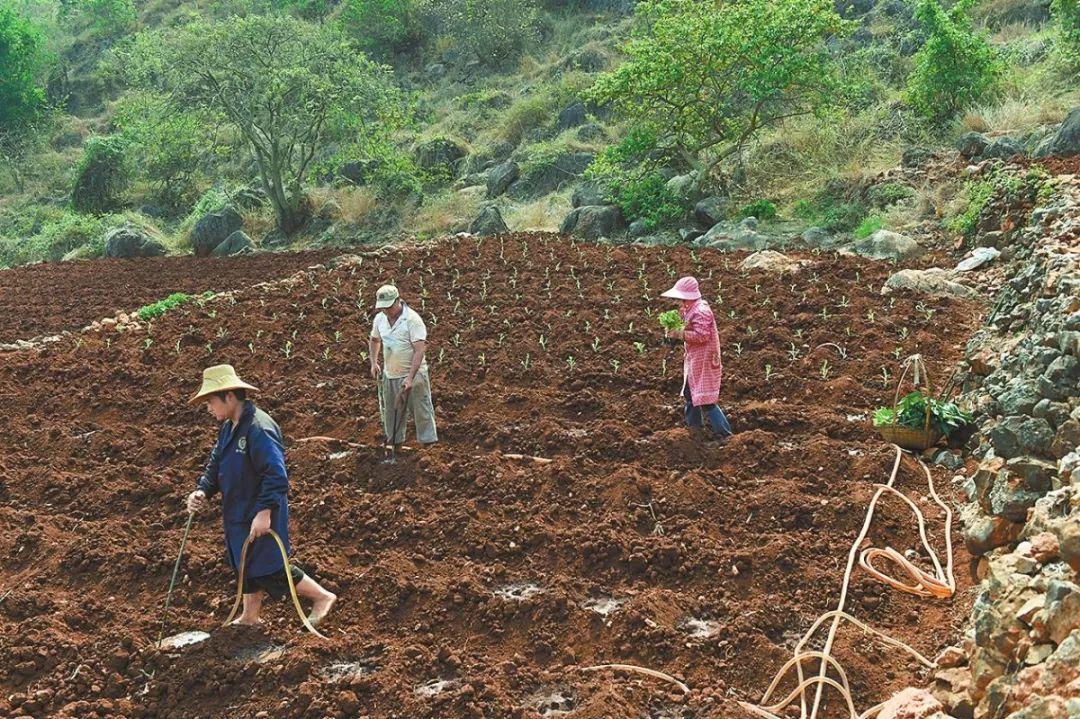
386 296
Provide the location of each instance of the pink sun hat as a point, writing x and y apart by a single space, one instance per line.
685 289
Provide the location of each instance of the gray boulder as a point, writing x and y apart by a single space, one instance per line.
689 235
637 228
915 156
740 237
1066 141
683 187
250 197
711 210
237 243
934 282
816 237
983 533
440 153
500 178
972 144
594 221
772 261
129 242
214 228
1016 436
1002 148
1019 397
572 116
586 195
887 245
551 177
488 222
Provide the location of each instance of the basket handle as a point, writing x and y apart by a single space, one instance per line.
918 369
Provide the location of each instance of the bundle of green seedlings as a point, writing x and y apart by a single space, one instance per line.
910 411
670 320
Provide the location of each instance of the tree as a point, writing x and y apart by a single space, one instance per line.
23 65
704 75
1067 17
288 87
956 67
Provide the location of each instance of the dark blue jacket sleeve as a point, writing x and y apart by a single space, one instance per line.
208 481
268 459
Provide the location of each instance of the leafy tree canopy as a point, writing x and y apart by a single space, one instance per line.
290 88
706 75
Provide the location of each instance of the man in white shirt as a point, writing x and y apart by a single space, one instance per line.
396 350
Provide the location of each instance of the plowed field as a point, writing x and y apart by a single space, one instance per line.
473 585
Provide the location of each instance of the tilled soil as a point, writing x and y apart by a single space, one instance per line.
473 585
50 297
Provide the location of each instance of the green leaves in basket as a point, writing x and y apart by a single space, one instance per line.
910 411
670 320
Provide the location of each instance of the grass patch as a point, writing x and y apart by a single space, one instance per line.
867 227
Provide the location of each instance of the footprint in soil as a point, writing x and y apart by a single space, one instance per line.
551 703
435 687
341 671
518 592
184 639
699 628
603 605
260 653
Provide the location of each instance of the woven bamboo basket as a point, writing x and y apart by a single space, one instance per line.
915 438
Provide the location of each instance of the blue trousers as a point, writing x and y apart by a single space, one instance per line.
717 419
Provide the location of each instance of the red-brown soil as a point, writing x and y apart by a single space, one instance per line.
49 297
99 450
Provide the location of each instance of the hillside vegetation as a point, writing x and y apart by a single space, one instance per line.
314 122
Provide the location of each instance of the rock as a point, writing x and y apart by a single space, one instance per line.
952 687
972 144
1068 535
1015 436
235 244
983 533
129 242
977 258
1019 397
250 198
1045 547
440 153
915 156
711 210
1064 372
591 132
1003 148
689 235
593 221
1012 499
951 657
550 177
1062 609
1037 474
1038 654
816 237
214 228
151 210
358 172
489 222
948 460
572 116
683 187
587 195
728 239
887 245
934 282
771 261
749 223
1056 413
1066 141
910 703
638 228
500 178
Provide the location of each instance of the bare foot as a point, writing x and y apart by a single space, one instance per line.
320 608
241 621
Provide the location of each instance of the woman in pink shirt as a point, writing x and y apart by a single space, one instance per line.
702 368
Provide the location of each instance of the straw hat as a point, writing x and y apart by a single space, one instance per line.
219 378
685 289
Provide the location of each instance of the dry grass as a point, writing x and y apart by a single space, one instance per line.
1020 112
547 213
447 211
346 204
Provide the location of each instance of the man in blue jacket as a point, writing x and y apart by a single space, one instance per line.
247 465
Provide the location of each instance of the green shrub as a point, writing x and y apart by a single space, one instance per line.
627 171
105 17
1066 14
157 309
1030 187
761 209
867 227
889 193
382 27
491 31
648 199
100 175
956 67
53 234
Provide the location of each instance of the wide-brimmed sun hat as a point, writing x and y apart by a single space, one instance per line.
685 289
220 378
386 296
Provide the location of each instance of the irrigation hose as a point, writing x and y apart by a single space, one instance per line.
941 584
288 578
172 581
